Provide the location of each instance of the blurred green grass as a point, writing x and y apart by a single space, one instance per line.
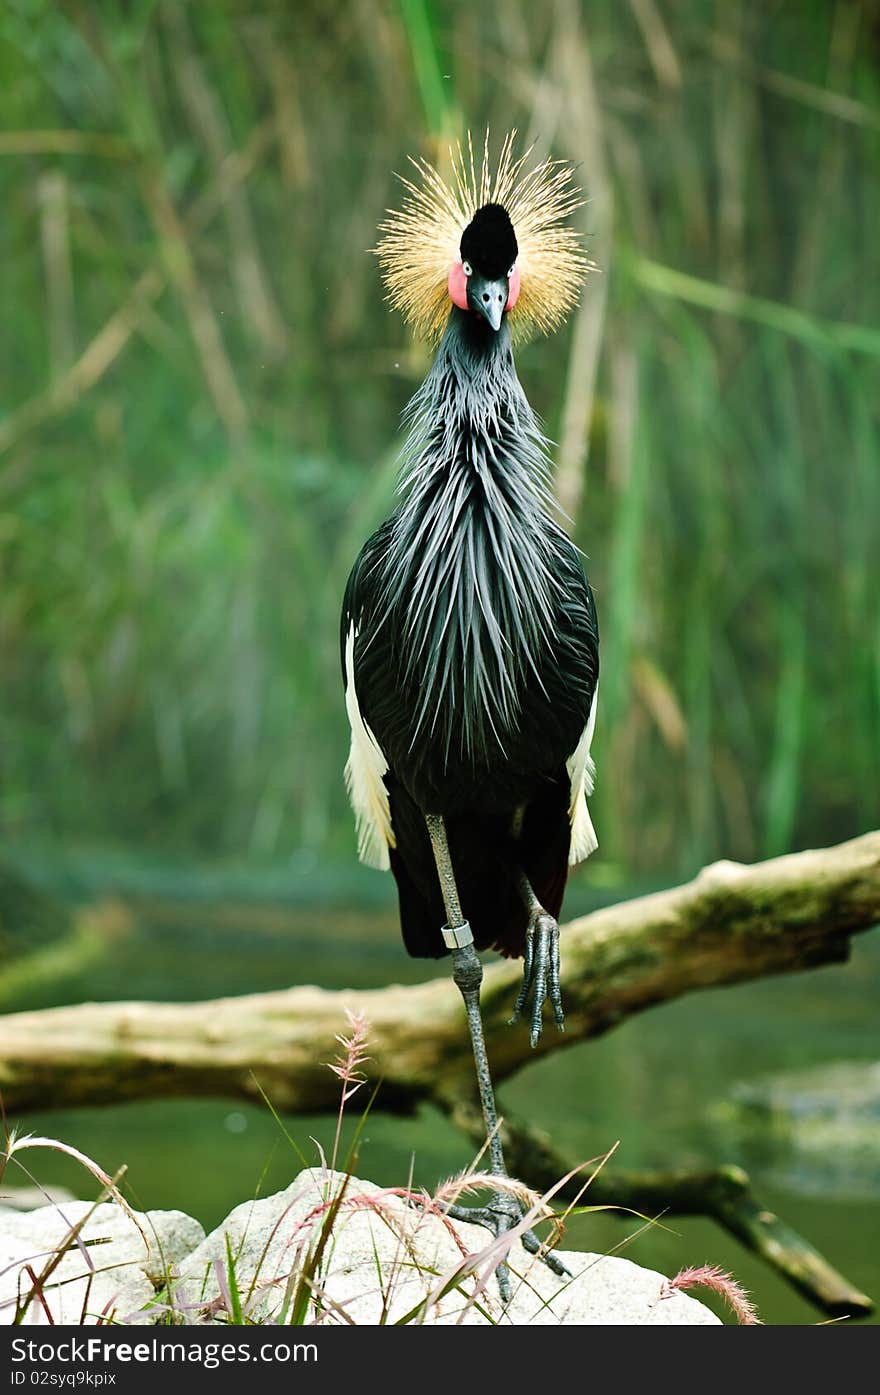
201 389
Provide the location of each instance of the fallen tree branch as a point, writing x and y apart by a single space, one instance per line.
730 924
722 1194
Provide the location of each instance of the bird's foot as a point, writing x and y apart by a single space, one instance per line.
540 973
501 1215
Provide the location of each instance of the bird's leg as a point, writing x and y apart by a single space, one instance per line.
541 967
467 973
504 1211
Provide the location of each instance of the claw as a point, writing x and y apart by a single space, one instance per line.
540 990
553 1260
522 995
540 974
555 990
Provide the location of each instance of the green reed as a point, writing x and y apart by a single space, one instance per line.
201 390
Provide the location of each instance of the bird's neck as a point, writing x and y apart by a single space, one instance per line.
471 415
466 583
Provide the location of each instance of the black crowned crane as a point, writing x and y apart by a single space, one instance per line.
469 637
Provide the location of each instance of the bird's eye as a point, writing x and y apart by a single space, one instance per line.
467 268
511 271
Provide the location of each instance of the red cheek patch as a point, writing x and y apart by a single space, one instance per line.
513 289
457 284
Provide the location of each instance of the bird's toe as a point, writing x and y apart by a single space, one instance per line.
502 1214
540 976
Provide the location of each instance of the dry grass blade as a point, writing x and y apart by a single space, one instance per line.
106 346
65 143
585 128
258 309
72 1237
810 94
181 268
467 1183
711 1276
54 196
19 1143
347 1068
664 59
36 1295
91 365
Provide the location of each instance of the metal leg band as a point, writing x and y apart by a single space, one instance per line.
457 936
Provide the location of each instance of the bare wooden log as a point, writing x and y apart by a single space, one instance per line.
730 924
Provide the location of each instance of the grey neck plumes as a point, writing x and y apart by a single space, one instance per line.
467 586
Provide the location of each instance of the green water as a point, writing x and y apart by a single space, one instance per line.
657 1084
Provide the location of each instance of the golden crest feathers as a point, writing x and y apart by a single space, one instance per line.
420 241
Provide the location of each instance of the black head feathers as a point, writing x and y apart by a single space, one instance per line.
489 242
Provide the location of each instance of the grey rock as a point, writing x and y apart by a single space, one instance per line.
126 1273
385 1258
31 1198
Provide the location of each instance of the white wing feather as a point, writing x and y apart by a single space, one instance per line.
364 771
582 774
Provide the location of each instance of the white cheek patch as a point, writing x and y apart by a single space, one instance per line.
364 771
582 774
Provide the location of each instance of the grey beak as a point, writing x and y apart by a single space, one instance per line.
488 298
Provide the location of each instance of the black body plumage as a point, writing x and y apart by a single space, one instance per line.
475 653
